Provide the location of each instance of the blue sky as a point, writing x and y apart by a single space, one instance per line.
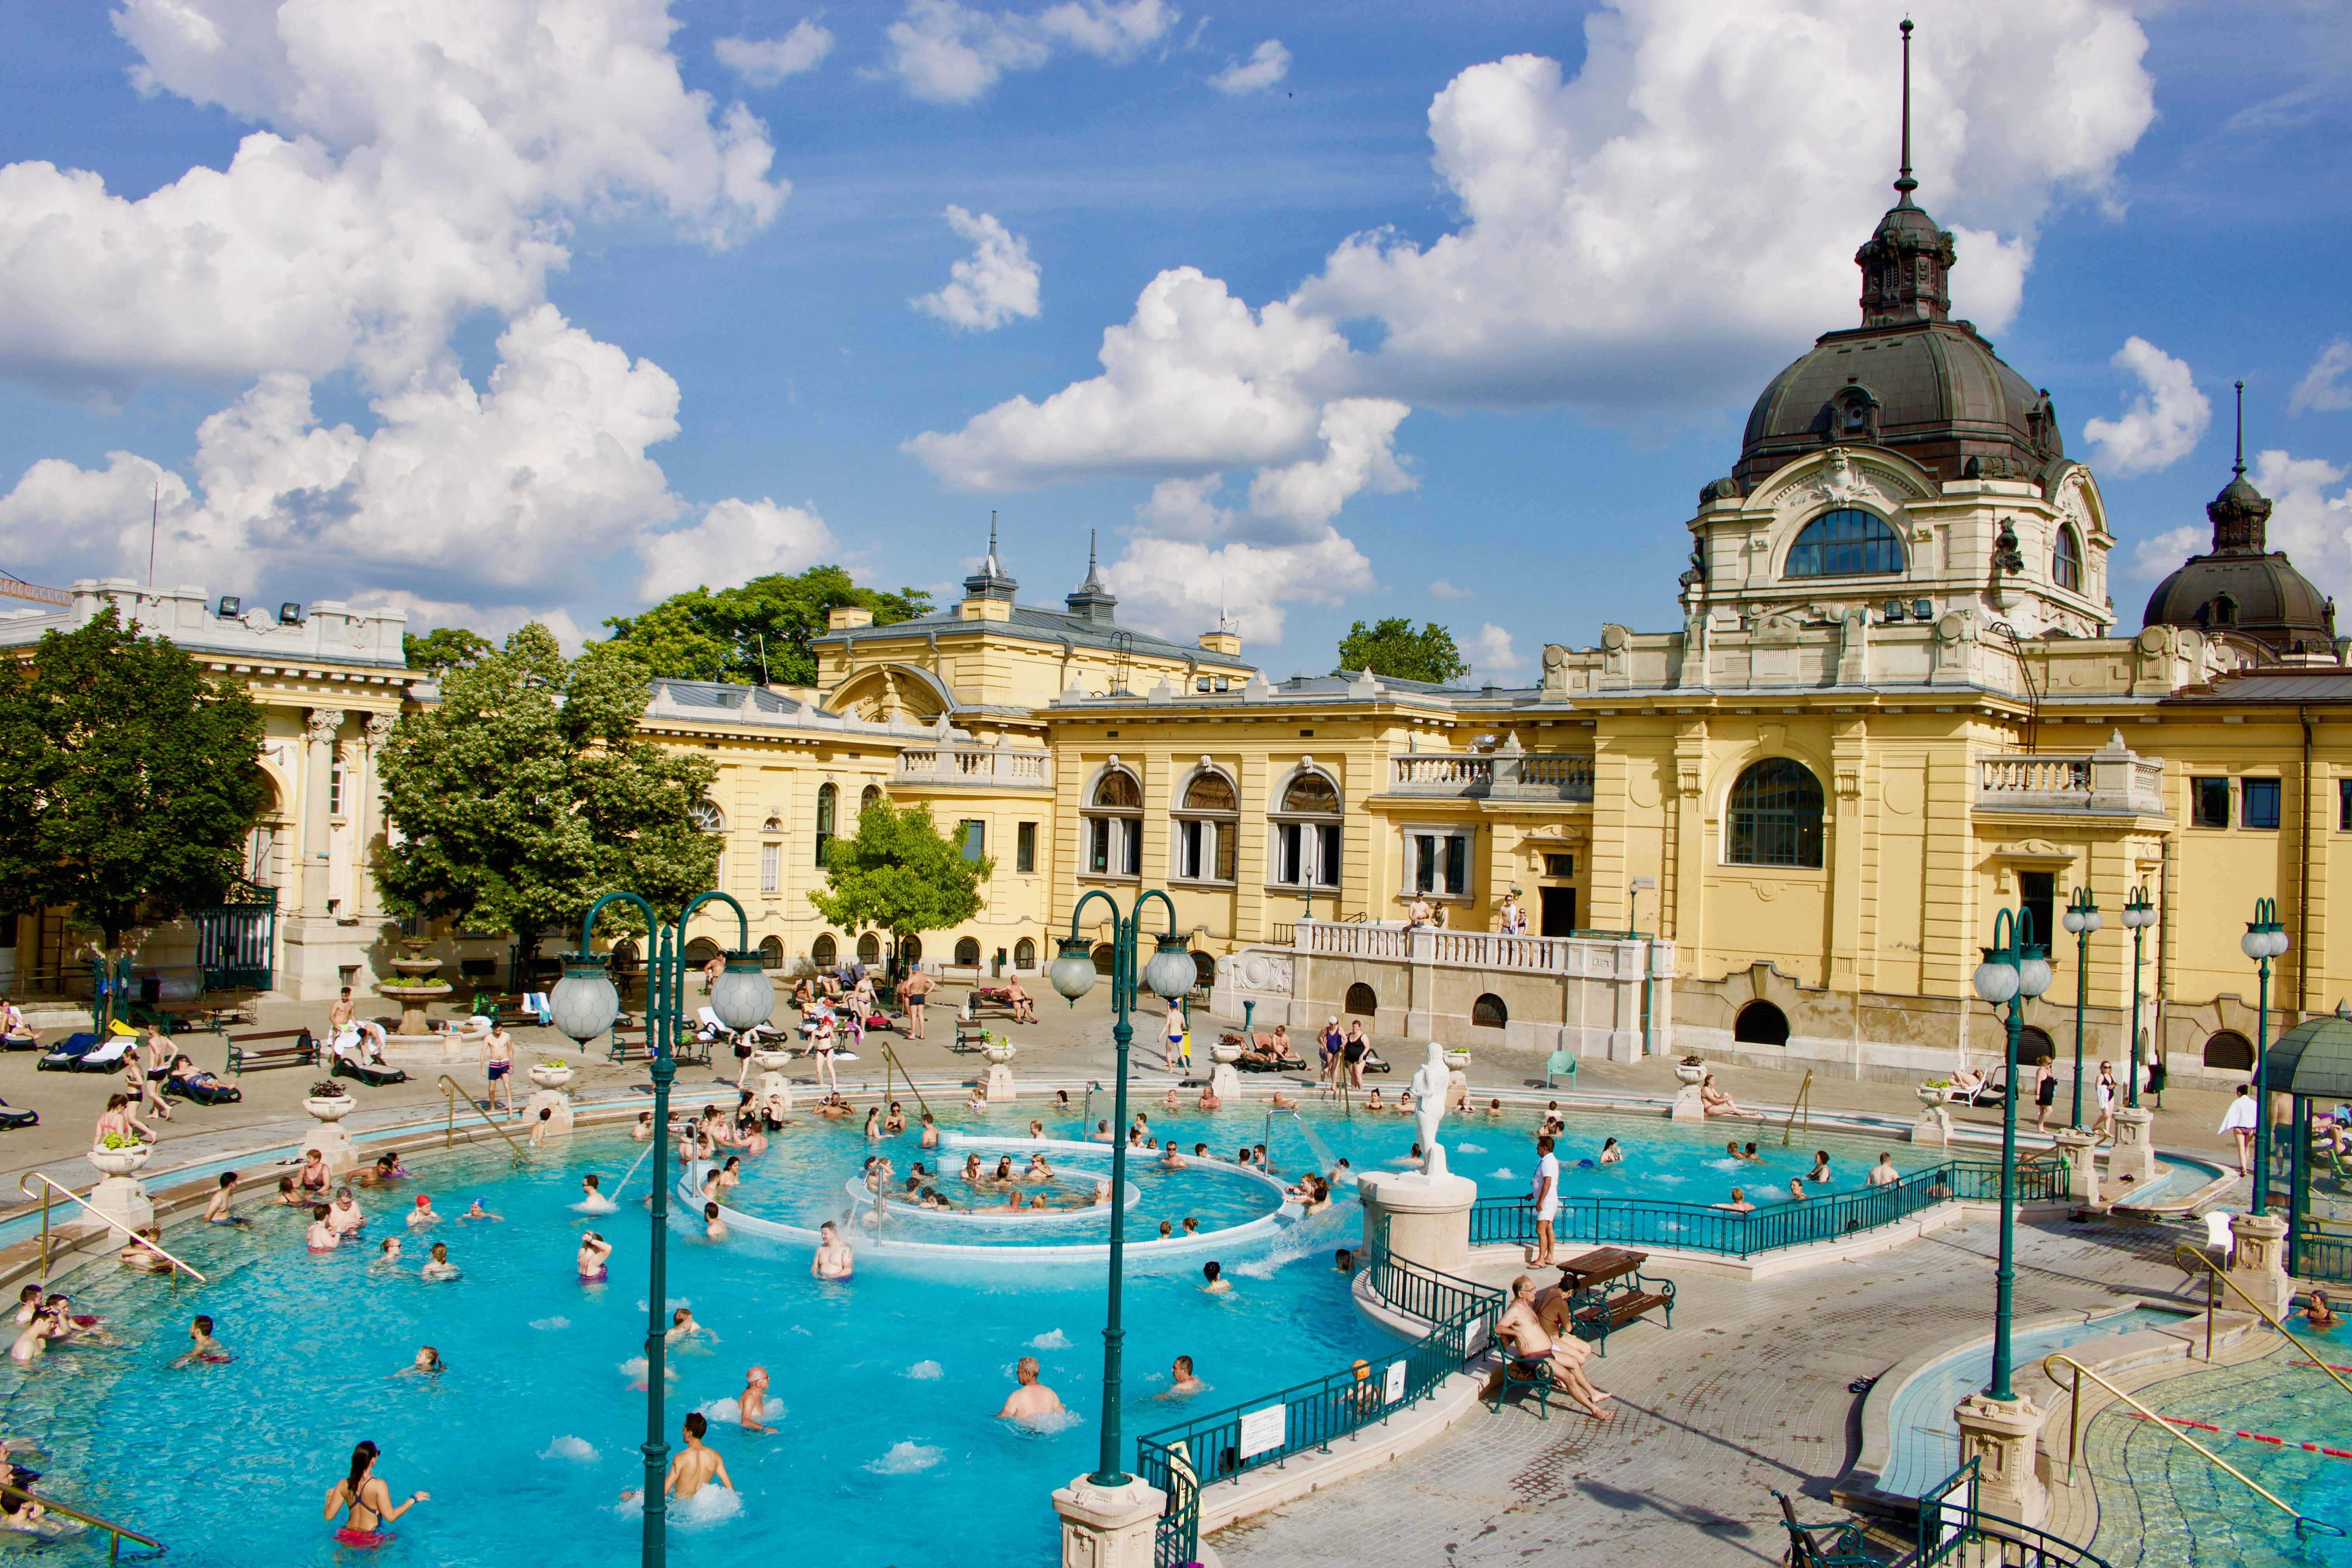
1478 379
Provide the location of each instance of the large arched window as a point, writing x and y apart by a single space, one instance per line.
1774 817
1114 826
1207 828
771 953
823 951
706 816
828 805
870 796
1847 542
2066 561
869 950
1024 954
1307 833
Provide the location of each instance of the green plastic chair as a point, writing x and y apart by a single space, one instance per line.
1559 1064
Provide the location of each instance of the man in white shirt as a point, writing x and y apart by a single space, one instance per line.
2239 1119
1512 920
1547 1201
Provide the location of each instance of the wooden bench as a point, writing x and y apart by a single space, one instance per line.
242 1057
1846 1546
1614 1310
1526 1373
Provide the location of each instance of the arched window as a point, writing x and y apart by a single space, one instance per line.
773 824
1362 1000
771 953
869 949
706 816
1024 954
1488 1011
823 950
1774 817
870 796
700 951
2230 1051
1205 970
1307 833
1208 828
1761 1023
1114 826
1105 958
2066 561
967 953
1847 542
910 950
828 801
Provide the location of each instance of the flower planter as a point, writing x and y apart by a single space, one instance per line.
1930 1093
334 1110
1690 1072
1458 1059
119 1162
550 1077
1225 1053
999 1053
772 1061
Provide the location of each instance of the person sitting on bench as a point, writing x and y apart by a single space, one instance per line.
1563 1358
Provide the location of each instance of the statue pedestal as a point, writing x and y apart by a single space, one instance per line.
1225 1082
1687 1106
2081 1166
123 1199
1428 1215
2258 1262
998 1087
1107 1527
2000 1436
549 1099
1934 1126
2134 1156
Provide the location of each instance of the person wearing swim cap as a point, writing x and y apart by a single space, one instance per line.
369 1501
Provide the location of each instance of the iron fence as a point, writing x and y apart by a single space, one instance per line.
1952 1529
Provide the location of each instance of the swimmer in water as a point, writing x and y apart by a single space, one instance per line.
1182 1383
1820 1170
323 1236
543 1126
428 1363
930 1131
972 1169
1284 1102
439 1266
896 1121
1061 1099
1218 1285
730 1176
682 1328
289 1196
384 1171
1493 1107
594 1250
422 1213
751 1404
344 1214
389 1252
1173 1160
696 1467
1032 1398
1036 1129
874 1123
591 1195
1611 1154
368 1500
34 1341
1038 1170
142 1251
643 1131
217 1207
834 1260
713 1227
1171 1103
478 1212
28 1304
202 1347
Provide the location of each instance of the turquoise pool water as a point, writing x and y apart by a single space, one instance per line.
885 1388
1926 1446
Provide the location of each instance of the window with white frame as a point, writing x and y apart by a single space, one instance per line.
772 870
1114 826
1307 834
1207 829
1437 861
335 790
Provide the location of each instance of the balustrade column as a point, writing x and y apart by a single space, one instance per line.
319 760
366 900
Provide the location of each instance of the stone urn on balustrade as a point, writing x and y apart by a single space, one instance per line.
415 989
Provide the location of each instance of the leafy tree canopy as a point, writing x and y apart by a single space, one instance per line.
527 793
723 635
444 647
1392 648
900 874
128 781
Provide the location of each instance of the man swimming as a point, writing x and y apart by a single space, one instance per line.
217 1207
1173 1160
439 1266
427 1363
344 1214
751 1404
202 1346
594 1250
1032 1398
323 1236
697 1467
682 1328
834 1260
1182 1383
1218 1284
591 1195
713 1227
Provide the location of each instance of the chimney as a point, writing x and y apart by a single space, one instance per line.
1223 642
845 618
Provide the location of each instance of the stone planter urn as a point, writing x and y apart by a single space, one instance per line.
415 989
998 1052
1690 1072
548 1075
330 1137
997 1086
330 1108
1225 1053
1930 1093
1458 1058
120 1161
772 1061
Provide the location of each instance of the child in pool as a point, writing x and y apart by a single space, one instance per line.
323 1236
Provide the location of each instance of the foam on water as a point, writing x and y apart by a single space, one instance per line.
905 1457
924 1372
1048 1422
561 1323
1052 1340
578 1450
713 1504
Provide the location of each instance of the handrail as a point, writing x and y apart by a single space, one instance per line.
2060 1358
450 1092
2184 1249
48 1185
1940 1533
118 1531
889 1062
1804 1099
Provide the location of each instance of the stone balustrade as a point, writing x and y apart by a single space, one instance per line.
2112 780
1504 773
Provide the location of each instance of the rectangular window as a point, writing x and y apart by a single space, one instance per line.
1187 848
2037 891
2257 804
335 790
772 870
1226 839
1024 847
1288 867
1132 861
2209 803
1098 845
1424 861
1439 864
1457 865
2343 805
975 838
1327 858
1559 865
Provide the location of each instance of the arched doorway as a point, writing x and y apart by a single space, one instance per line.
1488 1011
2033 1044
1362 1000
967 953
1761 1023
2230 1051
1024 954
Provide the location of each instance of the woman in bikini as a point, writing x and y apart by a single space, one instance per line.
120 1119
594 1250
368 1500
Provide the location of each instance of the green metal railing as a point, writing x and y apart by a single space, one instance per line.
1952 1529
1770 1227
1227 1444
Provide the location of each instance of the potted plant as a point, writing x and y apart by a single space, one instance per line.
328 1102
117 1155
1227 1052
997 1048
1690 1069
553 1072
1932 1092
1458 1057
769 1059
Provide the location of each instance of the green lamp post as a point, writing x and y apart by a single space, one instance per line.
2140 913
2015 970
1169 975
584 1004
2080 918
2265 939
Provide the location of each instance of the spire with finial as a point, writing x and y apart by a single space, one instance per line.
991 581
1092 602
2241 514
1907 265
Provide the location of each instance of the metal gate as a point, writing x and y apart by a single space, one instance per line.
235 938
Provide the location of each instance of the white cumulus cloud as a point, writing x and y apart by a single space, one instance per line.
1269 64
734 542
2309 521
949 53
1442 589
2165 421
997 283
2324 386
1491 651
764 62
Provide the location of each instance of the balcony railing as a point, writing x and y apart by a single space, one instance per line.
994 768
2112 782
1500 774
1595 957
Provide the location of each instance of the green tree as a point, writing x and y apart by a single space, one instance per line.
444 647
901 875
128 780
526 793
1392 648
735 634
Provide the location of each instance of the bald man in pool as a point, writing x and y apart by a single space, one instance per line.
1033 1398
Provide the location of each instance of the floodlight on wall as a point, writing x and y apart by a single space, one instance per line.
230 607
289 615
